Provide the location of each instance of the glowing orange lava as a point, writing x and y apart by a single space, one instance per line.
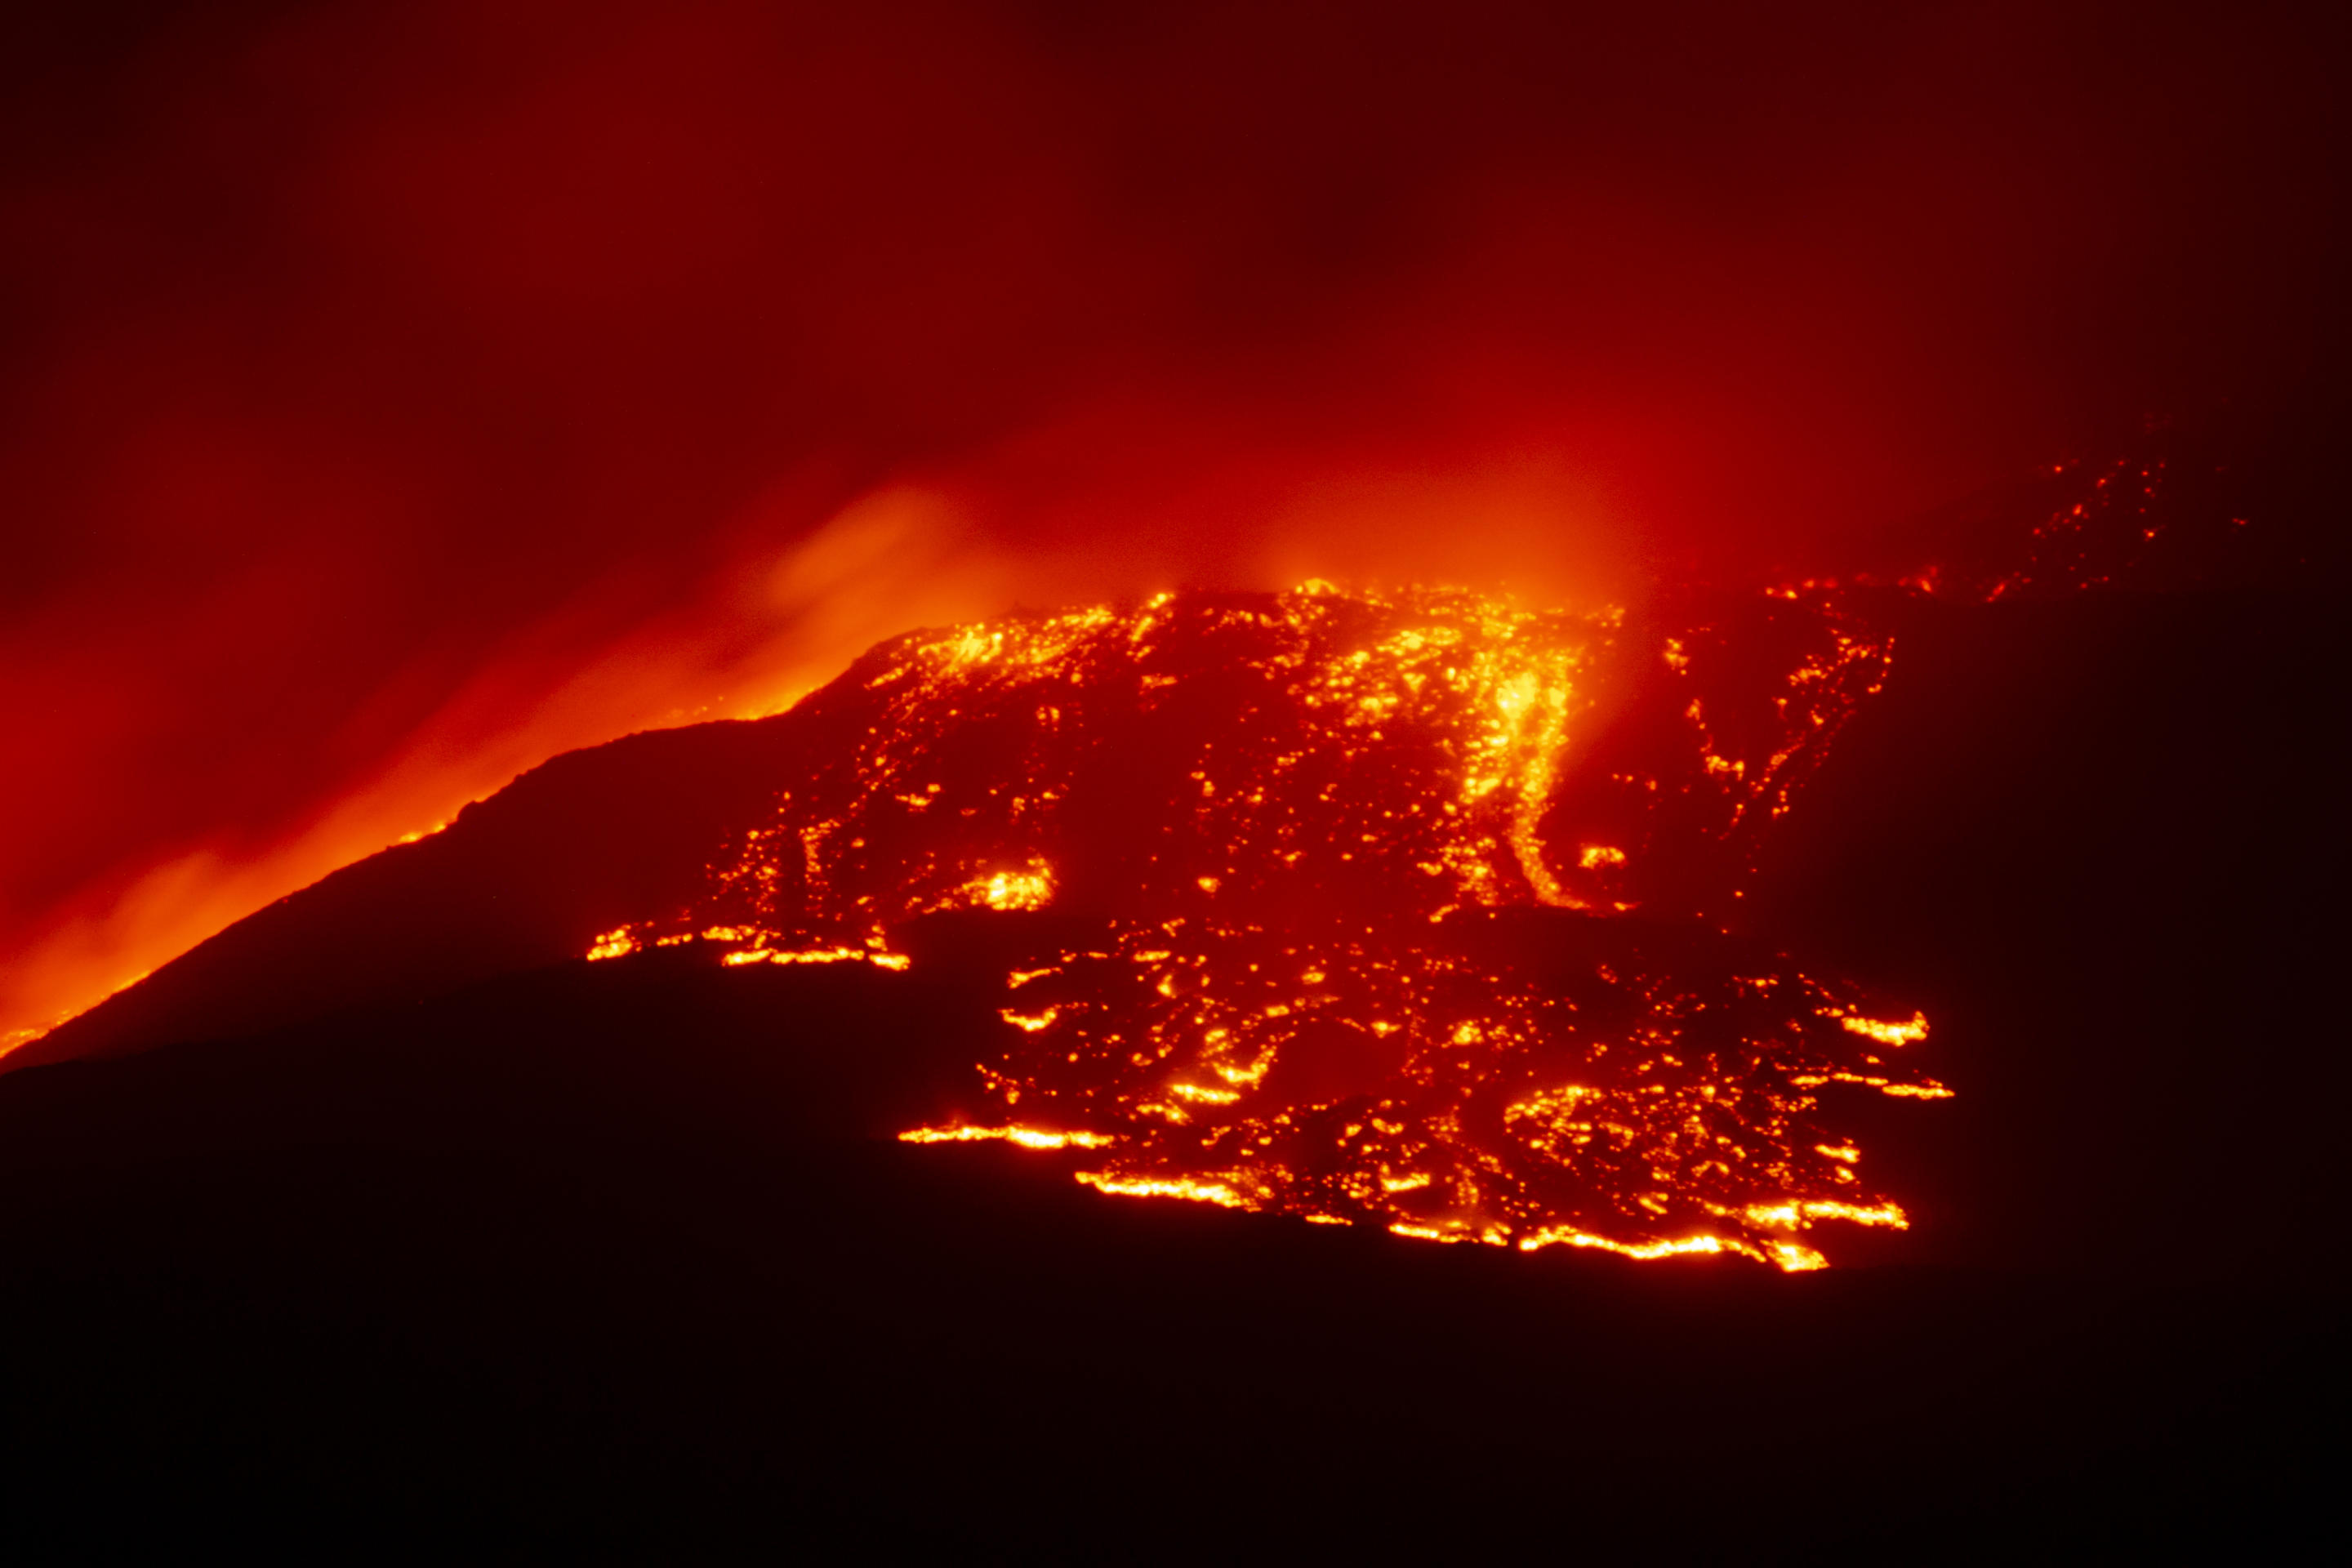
1384 911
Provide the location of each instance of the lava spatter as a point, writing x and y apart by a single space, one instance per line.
1399 910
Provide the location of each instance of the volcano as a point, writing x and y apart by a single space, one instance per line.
676 1152
1349 916
1244 1011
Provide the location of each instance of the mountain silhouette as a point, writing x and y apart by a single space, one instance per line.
386 1217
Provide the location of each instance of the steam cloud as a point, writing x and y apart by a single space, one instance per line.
396 394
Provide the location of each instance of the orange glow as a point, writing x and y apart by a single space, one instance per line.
1191 1188
497 724
1902 1034
1026 1137
747 944
1029 890
616 943
1299 999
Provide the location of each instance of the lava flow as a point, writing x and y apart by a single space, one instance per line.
1404 910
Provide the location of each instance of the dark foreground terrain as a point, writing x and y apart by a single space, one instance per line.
622 1259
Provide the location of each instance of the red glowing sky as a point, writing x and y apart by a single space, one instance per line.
392 396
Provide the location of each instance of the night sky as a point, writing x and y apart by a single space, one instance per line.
393 396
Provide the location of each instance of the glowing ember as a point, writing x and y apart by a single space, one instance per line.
1333 965
1027 1137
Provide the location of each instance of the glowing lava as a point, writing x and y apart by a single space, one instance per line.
1398 912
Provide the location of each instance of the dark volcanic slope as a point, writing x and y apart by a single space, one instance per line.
2102 841
523 880
620 1259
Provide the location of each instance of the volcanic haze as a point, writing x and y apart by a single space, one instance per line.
392 396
